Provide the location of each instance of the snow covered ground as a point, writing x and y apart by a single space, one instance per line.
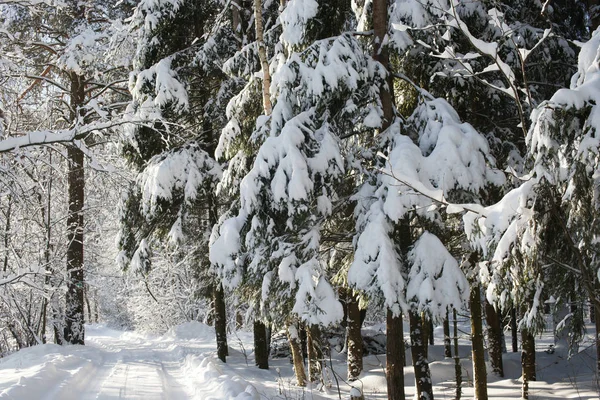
182 365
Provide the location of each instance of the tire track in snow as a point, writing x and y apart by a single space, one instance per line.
123 365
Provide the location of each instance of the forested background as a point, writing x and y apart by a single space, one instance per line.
287 164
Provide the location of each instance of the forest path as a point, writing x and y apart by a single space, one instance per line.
129 368
123 365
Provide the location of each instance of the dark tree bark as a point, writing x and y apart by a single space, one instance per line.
394 369
479 370
220 322
426 333
513 330
261 351
495 333
447 341
74 330
420 363
303 341
595 306
597 324
354 342
457 366
430 330
315 353
380 53
527 361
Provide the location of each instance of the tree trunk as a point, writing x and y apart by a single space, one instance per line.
303 341
513 330
527 361
96 305
354 342
220 322
597 324
86 296
58 329
239 321
457 366
495 334
426 334
431 336
43 319
479 372
268 333
595 307
380 53
315 353
236 21
420 363
262 55
394 369
7 234
261 352
297 359
74 331
447 341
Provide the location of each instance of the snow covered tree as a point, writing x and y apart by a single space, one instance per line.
448 157
552 221
272 239
510 54
80 51
179 84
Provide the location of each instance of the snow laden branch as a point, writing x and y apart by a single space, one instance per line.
274 240
495 58
48 137
167 189
448 156
559 194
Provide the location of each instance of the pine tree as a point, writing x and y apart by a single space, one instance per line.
179 83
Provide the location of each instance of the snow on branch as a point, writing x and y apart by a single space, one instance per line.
46 137
189 170
419 174
435 281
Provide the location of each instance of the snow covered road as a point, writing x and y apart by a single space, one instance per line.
181 365
123 365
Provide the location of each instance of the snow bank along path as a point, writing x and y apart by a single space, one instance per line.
124 365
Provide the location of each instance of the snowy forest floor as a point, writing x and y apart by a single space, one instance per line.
182 364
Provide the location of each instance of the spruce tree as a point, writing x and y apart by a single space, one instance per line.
179 83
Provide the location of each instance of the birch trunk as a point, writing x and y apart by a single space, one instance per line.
297 358
262 55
